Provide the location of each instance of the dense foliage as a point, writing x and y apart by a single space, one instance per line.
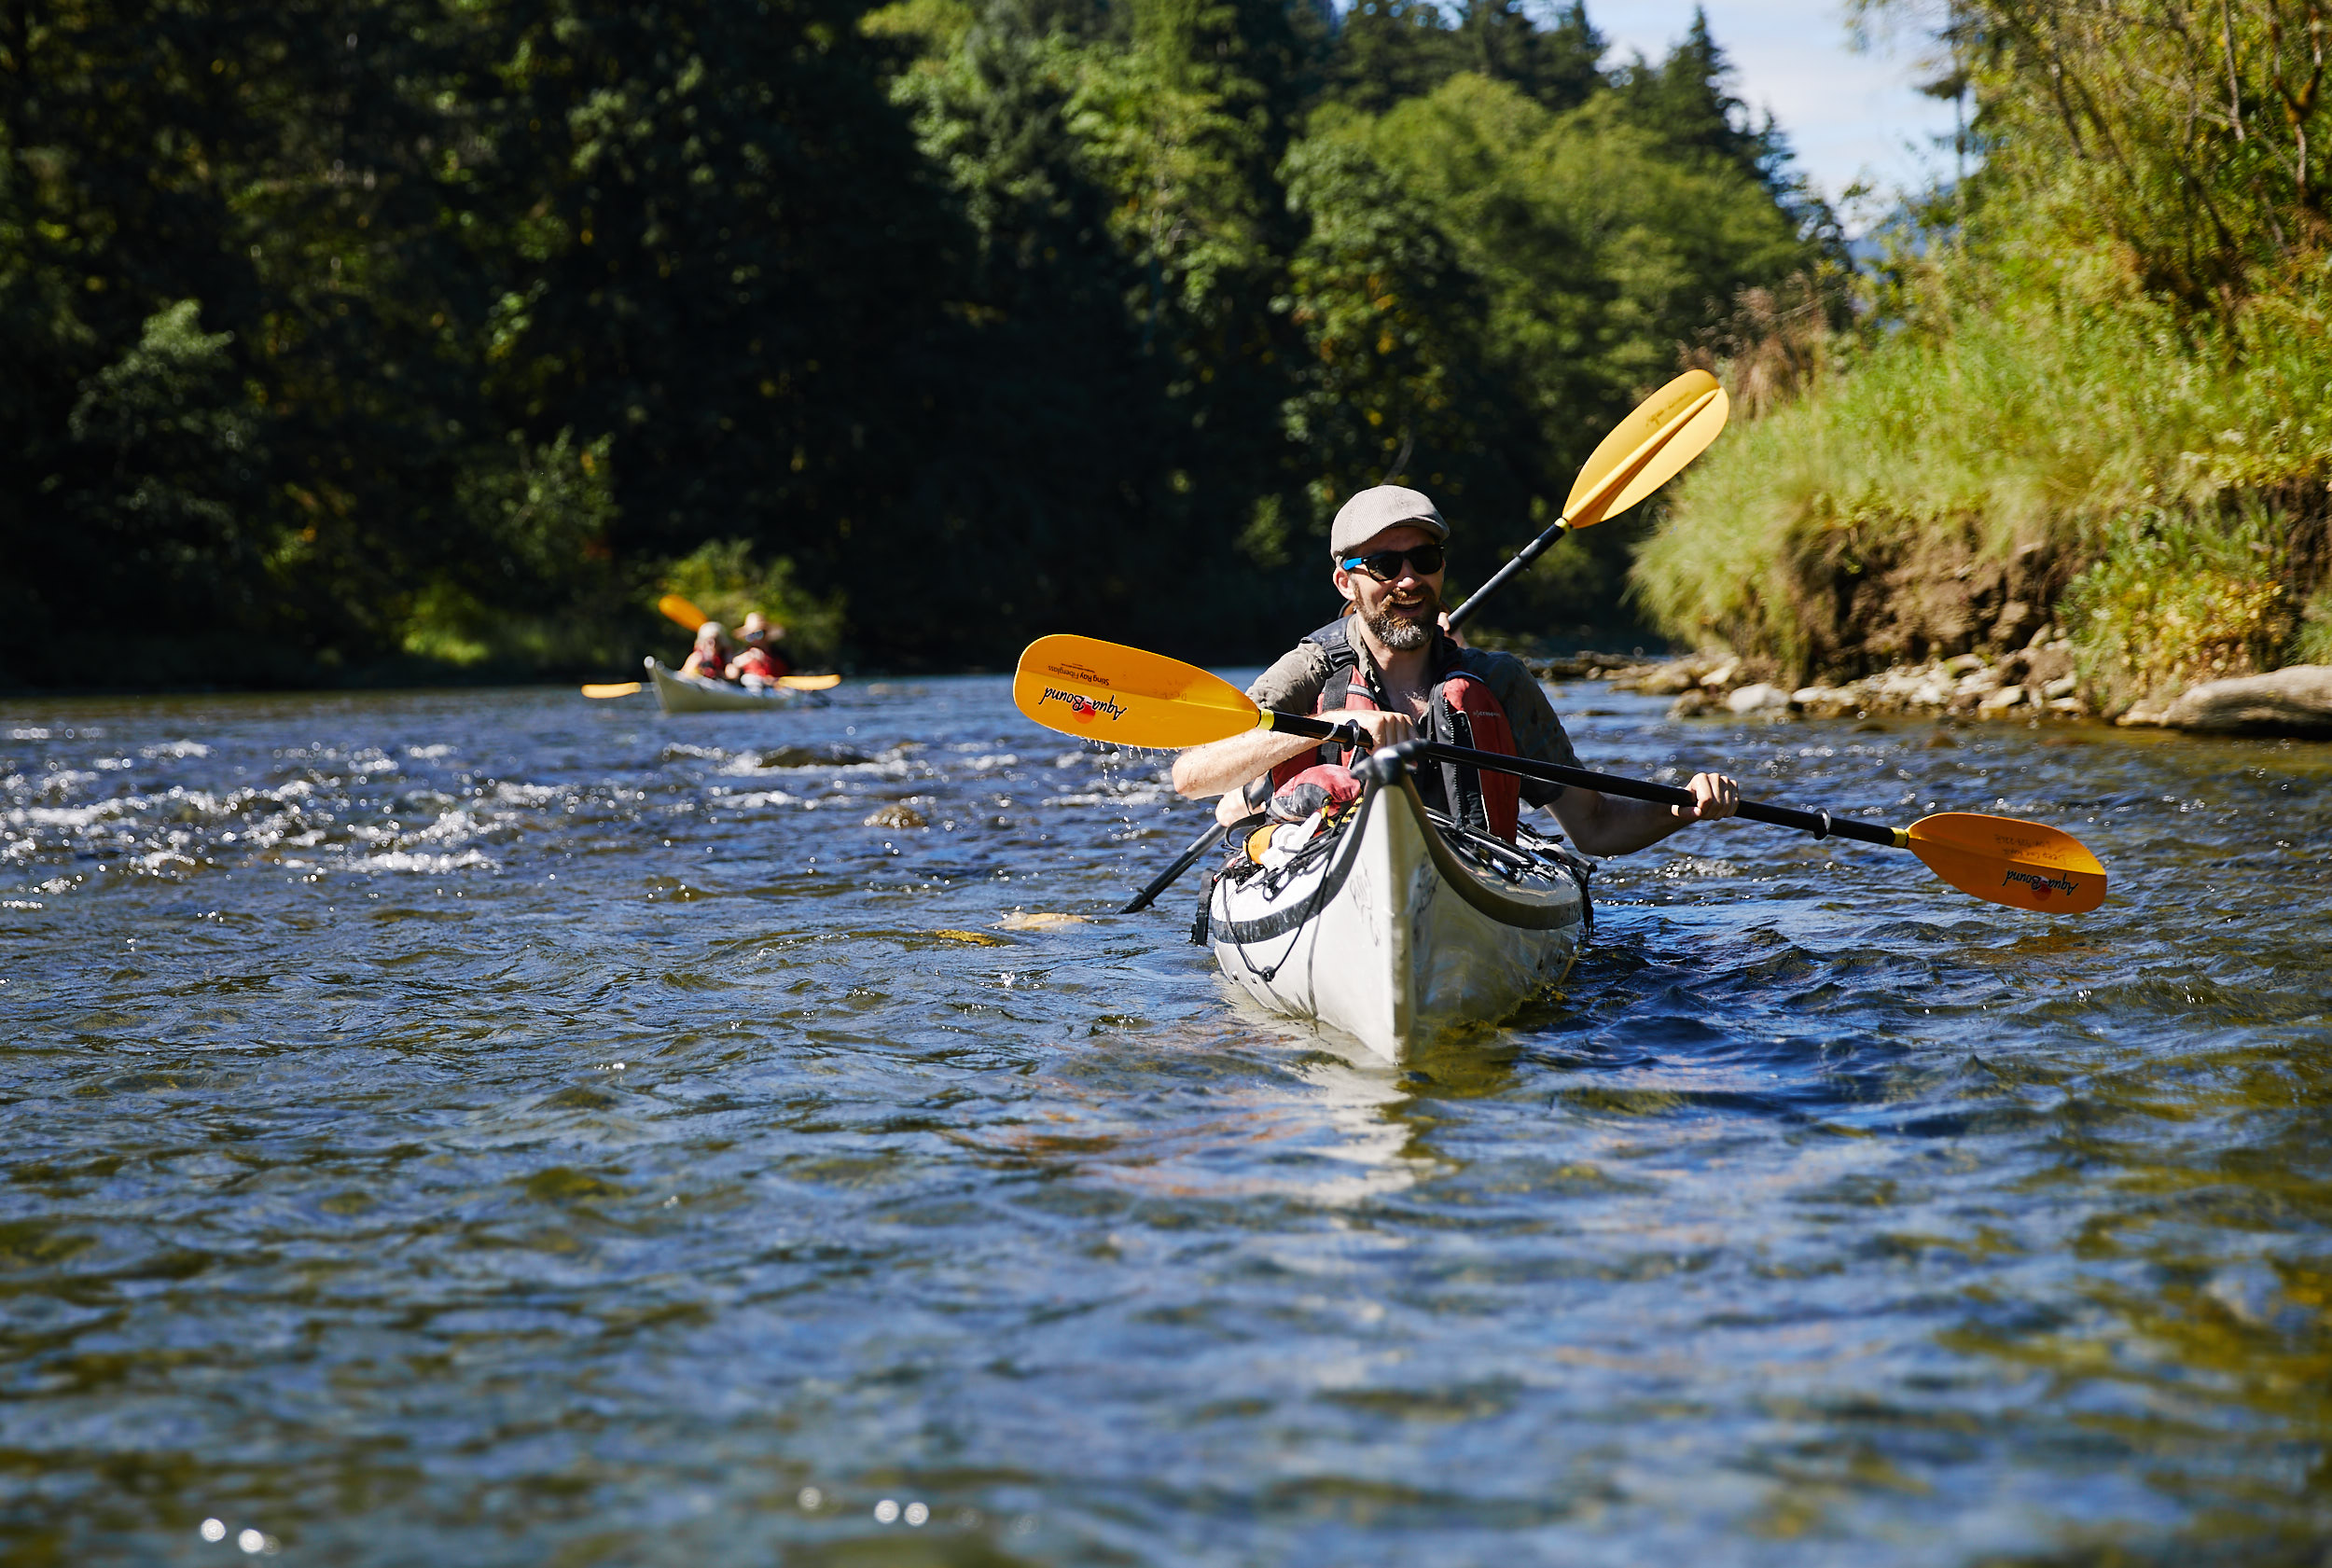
2091 387
377 338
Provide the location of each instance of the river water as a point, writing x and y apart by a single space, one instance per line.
499 1128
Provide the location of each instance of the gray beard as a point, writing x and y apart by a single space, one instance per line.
1403 635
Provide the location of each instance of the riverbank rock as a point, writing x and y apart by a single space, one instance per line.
1583 666
2296 701
1758 698
2031 682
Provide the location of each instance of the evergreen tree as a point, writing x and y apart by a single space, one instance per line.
1688 102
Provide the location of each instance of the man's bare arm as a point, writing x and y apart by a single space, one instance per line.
1221 767
1608 824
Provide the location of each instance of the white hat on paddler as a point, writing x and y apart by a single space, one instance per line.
1380 507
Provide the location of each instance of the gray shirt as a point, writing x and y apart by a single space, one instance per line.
1293 686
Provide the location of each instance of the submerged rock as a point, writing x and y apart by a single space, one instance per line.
1038 919
897 816
813 756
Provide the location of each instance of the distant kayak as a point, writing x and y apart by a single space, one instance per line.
676 693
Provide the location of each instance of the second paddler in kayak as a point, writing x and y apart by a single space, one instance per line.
1388 664
756 666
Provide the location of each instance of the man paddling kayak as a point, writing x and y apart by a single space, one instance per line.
1388 665
759 663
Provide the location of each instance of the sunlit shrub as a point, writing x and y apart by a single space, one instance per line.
723 578
2011 428
2178 598
2311 639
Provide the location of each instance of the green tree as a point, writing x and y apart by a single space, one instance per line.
1589 248
407 335
1392 319
711 241
1388 51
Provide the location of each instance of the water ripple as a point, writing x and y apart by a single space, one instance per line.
502 1129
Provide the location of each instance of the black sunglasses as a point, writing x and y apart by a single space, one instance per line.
1386 565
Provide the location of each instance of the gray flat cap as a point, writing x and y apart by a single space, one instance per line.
1372 512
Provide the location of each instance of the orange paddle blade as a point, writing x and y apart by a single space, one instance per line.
2023 865
1106 691
679 609
810 683
613 688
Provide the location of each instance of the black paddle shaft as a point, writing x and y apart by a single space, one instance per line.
1523 557
1167 877
1822 824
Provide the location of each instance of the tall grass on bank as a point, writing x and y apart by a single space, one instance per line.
1938 487
2176 598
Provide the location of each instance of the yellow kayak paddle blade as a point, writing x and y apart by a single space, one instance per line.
676 609
1691 438
2023 865
1106 691
810 683
1650 447
1630 451
613 688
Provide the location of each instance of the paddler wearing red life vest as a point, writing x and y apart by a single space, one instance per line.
710 657
760 663
1389 665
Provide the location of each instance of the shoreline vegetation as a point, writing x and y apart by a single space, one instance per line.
433 354
2090 388
441 343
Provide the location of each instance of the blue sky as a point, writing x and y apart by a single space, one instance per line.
1849 115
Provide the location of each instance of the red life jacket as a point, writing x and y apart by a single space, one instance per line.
1462 712
759 661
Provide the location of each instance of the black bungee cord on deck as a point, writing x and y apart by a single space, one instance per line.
1345 841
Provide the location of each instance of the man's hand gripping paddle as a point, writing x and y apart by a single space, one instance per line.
1104 691
1647 450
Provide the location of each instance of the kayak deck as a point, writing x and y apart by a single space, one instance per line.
1393 935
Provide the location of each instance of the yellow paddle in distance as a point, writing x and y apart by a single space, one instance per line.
1104 691
1644 451
791 682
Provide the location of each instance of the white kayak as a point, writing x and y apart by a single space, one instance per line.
676 693
1395 934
